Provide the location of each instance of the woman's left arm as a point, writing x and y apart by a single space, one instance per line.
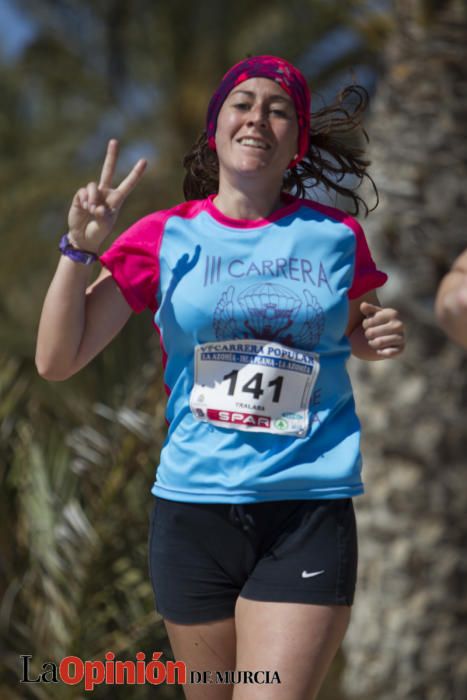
374 332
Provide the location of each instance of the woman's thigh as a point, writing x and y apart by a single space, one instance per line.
296 640
208 647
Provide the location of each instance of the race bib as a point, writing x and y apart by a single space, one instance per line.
254 385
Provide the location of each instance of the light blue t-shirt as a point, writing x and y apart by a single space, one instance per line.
286 279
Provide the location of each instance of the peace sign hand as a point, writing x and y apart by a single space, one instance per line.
95 208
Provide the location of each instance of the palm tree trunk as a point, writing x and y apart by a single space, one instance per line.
407 640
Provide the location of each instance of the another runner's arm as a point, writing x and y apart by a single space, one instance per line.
451 301
374 333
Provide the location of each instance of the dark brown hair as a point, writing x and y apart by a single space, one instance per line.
335 151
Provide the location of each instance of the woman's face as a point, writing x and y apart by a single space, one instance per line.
257 129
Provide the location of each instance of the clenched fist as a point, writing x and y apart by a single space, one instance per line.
383 329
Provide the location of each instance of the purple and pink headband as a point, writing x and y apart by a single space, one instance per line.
289 78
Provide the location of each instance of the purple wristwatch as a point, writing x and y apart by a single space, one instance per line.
81 256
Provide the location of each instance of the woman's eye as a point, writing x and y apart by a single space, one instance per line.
277 112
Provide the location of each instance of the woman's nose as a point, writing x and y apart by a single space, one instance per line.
257 115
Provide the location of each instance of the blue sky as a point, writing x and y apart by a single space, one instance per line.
15 30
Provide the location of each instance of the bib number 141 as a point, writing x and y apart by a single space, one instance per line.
254 385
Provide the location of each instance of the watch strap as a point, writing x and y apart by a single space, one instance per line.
85 257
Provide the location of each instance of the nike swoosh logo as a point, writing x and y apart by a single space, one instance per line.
309 574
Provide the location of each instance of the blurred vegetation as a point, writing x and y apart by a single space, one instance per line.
77 459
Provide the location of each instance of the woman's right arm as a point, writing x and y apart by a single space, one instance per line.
78 319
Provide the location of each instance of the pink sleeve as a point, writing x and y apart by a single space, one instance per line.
366 274
133 260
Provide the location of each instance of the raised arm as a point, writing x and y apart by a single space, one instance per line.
78 320
451 301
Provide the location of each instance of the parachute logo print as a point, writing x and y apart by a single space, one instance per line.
269 311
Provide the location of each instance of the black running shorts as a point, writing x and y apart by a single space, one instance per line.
202 556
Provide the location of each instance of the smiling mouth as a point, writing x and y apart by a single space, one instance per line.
253 143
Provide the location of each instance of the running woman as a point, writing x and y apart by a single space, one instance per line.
259 296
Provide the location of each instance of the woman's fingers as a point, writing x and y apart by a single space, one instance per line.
394 326
383 328
118 196
101 211
103 193
377 316
80 200
88 197
93 198
108 168
368 309
390 352
386 341
95 207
